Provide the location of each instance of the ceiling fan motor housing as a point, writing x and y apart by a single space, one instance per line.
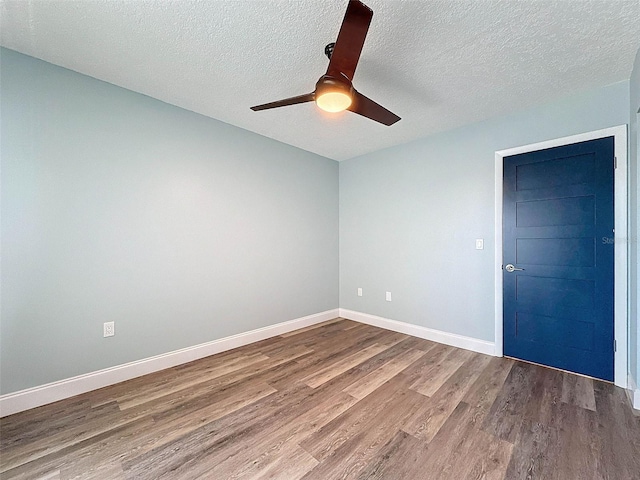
328 84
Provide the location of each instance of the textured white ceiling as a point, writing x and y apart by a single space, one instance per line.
437 64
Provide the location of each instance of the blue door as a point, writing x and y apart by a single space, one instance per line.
558 257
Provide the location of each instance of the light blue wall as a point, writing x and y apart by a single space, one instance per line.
634 229
180 228
409 215
183 229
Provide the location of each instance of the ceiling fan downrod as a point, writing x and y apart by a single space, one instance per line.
328 50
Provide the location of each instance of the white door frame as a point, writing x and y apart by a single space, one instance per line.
621 324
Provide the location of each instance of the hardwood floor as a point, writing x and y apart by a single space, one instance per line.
334 401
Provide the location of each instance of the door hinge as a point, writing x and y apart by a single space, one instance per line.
615 162
615 345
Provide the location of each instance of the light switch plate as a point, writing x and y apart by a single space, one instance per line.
109 329
479 244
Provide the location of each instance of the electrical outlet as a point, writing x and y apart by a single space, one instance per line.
109 329
359 292
388 296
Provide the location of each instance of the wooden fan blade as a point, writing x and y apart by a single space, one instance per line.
307 97
368 108
353 31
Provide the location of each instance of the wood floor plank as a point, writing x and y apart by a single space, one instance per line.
506 414
162 389
179 422
232 441
288 376
352 325
288 461
551 451
436 354
111 471
375 379
22 428
406 457
172 426
319 337
194 454
59 439
545 399
326 352
427 421
174 374
578 391
578 448
419 343
295 463
51 476
392 339
333 401
330 437
349 458
478 456
268 449
485 389
331 371
33 474
86 455
249 372
434 378
536 449
330 348
396 458
174 420
461 450
619 433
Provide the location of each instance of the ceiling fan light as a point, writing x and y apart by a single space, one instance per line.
334 101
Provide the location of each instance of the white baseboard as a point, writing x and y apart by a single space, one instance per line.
460 341
633 392
52 392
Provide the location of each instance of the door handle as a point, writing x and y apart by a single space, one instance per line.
510 268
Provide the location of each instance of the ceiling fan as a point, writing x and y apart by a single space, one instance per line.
334 91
